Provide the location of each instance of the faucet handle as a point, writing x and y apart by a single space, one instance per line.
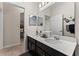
55 37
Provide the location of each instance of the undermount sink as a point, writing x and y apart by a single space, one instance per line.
51 40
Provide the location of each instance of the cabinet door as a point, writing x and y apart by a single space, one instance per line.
39 51
32 48
30 41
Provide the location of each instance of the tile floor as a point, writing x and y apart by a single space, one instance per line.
12 51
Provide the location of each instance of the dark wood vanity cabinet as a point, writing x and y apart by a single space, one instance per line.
48 50
39 49
31 45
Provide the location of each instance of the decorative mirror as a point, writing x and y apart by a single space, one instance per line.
40 21
35 21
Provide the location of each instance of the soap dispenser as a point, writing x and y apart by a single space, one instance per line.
36 32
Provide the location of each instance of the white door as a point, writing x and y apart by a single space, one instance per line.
1 26
11 16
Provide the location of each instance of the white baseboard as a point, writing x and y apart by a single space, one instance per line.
1 47
11 45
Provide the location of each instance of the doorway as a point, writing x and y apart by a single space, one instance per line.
13 29
21 25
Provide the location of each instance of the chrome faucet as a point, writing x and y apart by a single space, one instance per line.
55 37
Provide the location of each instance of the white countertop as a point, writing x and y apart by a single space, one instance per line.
65 45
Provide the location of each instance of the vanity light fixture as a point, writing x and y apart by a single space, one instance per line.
44 5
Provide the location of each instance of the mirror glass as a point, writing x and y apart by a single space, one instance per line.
58 19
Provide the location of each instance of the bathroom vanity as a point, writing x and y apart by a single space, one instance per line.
40 47
56 35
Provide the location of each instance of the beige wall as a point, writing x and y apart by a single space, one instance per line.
77 27
1 26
